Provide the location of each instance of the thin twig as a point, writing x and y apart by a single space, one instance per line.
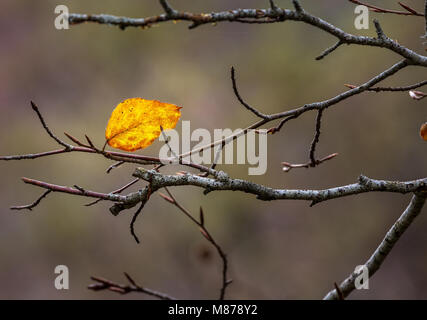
67 146
75 191
287 166
168 9
277 128
168 145
417 95
115 165
379 30
104 284
297 5
273 6
32 205
329 50
409 12
392 89
239 97
316 138
119 190
136 214
205 232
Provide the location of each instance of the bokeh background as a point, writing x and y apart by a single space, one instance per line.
277 250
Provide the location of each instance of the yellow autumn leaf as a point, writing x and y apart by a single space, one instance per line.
423 131
135 123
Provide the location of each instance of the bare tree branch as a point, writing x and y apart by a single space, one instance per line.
223 182
239 15
393 235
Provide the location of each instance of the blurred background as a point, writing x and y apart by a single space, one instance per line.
276 250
